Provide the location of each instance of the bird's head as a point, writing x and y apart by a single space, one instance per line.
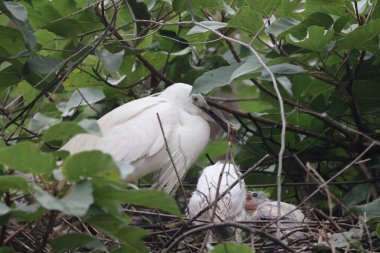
253 199
195 104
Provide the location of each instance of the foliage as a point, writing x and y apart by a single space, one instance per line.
63 64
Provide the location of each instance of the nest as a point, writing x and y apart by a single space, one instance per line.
335 234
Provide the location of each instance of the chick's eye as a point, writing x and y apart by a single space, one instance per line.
195 99
255 194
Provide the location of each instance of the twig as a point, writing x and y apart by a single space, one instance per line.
171 157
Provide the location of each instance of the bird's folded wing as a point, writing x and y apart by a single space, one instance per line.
127 112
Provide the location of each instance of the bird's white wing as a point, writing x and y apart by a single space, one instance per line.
126 112
231 204
268 210
186 142
120 115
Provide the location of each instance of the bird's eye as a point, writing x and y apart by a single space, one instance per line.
255 194
195 99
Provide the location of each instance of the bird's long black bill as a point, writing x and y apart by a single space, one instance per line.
217 119
238 137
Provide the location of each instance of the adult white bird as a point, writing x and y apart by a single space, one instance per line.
218 176
259 207
132 133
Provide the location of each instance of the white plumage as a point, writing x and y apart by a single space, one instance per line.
259 207
227 207
131 133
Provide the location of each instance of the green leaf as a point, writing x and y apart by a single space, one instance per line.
282 25
370 210
42 64
251 65
91 126
13 182
181 6
316 39
62 131
247 19
4 209
41 122
336 7
90 164
265 7
362 37
214 78
232 248
147 198
111 62
24 212
284 68
7 250
356 195
18 10
65 243
76 202
211 25
131 237
378 230
82 96
26 157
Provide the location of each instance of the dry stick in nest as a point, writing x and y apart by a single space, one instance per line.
229 224
180 231
321 186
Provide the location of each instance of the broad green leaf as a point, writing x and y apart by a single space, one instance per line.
248 20
214 78
357 195
90 164
284 68
24 212
370 210
19 14
82 96
265 7
251 65
42 64
91 126
286 84
67 242
208 25
18 10
13 182
26 157
336 7
4 209
131 237
232 248
7 250
362 37
316 39
111 62
76 202
282 25
62 131
41 122
147 198
181 6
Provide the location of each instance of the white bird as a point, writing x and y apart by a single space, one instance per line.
132 133
230 205
259 207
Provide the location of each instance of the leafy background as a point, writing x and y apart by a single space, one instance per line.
63 64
